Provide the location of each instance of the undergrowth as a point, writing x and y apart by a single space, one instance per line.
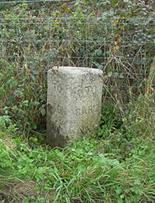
112 35
116 166
83 172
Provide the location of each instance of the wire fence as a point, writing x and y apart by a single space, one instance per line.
29 1
37 35
91 41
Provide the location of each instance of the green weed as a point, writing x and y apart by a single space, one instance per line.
84 172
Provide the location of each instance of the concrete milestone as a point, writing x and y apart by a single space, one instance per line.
74 100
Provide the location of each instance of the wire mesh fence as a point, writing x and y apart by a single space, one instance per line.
39 38
37 35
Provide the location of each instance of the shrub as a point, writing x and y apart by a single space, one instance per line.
116 36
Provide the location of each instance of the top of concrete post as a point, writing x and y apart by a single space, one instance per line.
76 70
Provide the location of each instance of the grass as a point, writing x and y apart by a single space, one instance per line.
116 166
83 172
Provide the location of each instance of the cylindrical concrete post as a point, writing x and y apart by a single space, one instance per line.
74 100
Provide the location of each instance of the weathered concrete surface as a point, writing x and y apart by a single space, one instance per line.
73 103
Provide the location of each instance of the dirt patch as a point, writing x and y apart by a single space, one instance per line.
9 144
15 192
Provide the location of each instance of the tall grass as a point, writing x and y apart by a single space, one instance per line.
116 166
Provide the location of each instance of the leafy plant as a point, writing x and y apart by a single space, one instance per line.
110 121
116 36
6 125
85 172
